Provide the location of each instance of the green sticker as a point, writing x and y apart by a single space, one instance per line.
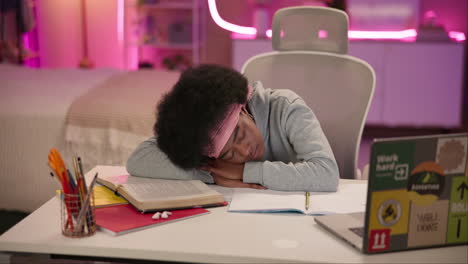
458 214
392 164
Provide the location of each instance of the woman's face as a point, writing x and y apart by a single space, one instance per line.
246 142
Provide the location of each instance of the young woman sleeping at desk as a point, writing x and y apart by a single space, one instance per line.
215 127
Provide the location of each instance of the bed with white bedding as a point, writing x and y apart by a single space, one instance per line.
100 115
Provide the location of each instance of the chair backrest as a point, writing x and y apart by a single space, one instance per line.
310 59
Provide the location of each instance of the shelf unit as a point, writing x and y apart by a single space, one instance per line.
165 33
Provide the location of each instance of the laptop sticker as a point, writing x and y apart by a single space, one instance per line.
427 178
428 224
389 212
379 240
458 214
391 165
452 154
389 209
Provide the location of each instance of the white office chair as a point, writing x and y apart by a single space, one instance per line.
310 58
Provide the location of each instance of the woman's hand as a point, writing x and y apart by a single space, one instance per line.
221 181
229 174
228 170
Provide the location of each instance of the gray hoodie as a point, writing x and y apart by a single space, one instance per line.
297 154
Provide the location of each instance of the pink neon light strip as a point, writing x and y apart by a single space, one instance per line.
355 34
458 36
120 21
226 25
242 32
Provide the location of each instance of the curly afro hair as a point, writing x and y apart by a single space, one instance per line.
196 103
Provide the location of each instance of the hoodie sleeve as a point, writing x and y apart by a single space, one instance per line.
314 167
149 161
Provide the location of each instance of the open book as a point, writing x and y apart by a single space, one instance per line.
148 194
320 203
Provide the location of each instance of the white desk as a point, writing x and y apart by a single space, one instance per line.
218 237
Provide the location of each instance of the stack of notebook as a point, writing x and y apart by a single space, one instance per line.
126 203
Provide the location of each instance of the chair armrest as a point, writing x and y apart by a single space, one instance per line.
365 172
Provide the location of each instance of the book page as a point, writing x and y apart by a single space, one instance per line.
165 189
112 181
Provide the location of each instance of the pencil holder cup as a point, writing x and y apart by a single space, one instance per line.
77 215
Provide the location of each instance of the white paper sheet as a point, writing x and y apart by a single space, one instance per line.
349 198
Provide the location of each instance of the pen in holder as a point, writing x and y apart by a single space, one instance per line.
77 216
76 201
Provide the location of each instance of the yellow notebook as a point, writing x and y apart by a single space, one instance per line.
103 197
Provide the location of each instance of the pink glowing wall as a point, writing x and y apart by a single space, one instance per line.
60 38
451 13
238 12
105 33
60 33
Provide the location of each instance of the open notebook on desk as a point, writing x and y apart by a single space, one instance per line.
269 201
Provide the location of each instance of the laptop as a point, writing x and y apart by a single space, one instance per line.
417 196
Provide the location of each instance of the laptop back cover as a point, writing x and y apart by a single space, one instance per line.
418 193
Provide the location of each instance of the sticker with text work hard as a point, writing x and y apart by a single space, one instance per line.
391 165
458 214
